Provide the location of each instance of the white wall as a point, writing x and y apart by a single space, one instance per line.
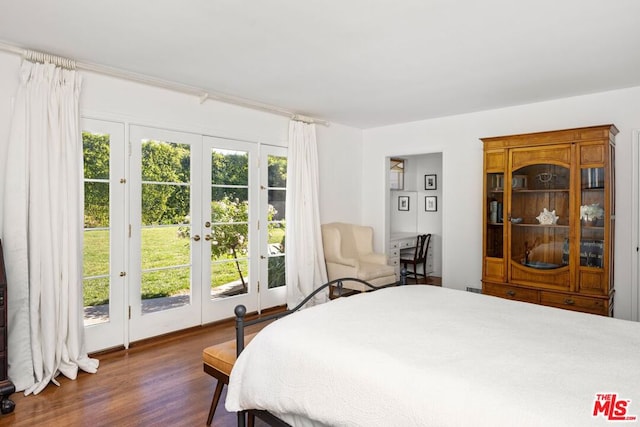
431 222
457 137
402 221
339 158
102 97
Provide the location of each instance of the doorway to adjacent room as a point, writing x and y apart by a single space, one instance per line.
416 206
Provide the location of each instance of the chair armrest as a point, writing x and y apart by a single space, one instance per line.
375 258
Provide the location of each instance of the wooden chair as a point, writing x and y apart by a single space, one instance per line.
218 360
419 257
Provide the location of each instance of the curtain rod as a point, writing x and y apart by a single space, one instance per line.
165 84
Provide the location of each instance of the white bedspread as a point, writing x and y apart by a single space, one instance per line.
428 356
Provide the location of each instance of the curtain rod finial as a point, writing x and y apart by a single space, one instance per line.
308 120
301 118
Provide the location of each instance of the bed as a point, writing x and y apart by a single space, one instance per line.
427 356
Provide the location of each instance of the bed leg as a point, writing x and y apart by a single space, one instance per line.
251 419
241 418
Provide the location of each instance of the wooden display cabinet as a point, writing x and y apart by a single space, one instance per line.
549 218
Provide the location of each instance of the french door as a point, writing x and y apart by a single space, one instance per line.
229 251
200 231
165 217
273 196
105 249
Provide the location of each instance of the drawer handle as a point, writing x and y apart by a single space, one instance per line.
569 301
511 294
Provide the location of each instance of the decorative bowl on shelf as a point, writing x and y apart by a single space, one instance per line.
541 265
547 218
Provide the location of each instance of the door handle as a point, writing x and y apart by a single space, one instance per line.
207 237
196 237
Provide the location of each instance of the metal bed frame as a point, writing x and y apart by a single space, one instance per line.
240 312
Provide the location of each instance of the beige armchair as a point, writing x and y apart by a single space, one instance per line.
348 252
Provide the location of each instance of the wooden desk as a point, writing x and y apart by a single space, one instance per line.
398 242
404 241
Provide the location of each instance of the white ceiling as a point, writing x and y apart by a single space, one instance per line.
364 63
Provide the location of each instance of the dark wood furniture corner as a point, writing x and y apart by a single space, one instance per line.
6 387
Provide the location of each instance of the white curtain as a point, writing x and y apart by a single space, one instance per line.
305 267
42 229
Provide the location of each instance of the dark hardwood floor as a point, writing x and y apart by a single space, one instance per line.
430 280
159 382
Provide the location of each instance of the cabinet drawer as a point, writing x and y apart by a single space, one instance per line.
510 292
573 302
407 243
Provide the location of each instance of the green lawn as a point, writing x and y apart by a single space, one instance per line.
162 248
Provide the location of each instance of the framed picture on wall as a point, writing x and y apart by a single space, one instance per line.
403 203
430 203
430 182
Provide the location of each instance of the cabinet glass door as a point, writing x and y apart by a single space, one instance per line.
495 216
539 219
592 217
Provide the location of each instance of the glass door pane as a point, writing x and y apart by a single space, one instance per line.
592 217
540 205
96 282
165 233
495 215
276 227
230 272
229 222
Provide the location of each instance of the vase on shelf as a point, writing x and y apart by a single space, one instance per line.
586 222
589 214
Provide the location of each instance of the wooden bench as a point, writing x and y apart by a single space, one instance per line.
218 360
